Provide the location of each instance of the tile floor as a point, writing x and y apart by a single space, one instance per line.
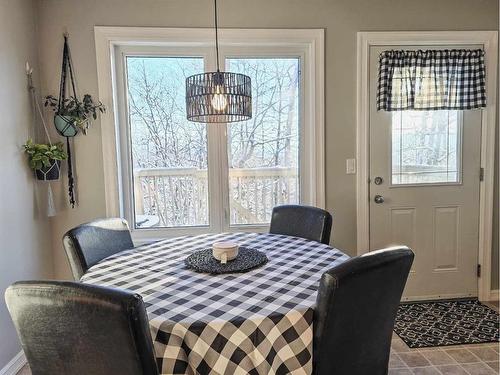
478 359
481 359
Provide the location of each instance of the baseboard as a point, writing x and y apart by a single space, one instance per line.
494 295
16 364
437 297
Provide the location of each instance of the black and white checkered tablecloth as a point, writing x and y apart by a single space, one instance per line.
259 322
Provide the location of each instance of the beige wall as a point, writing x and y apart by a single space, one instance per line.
25 251
341 20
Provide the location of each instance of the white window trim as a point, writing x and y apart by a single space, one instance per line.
310 42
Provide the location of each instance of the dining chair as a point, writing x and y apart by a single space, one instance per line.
307 222
91 242
355 312
80 329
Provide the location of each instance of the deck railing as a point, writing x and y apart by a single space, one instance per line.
179 196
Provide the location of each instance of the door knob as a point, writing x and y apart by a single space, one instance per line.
379 199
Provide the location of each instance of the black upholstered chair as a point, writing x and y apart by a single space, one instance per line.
355 312
89 243
308 222
73 328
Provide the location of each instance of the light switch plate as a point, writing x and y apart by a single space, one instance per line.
350 166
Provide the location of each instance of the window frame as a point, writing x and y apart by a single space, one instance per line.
113 44
127 197
228 52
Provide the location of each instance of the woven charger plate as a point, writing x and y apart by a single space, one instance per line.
247 259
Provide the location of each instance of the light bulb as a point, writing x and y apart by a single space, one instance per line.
219 101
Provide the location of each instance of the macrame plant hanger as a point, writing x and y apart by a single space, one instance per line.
51 210
69 124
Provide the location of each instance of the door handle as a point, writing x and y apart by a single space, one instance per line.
379 199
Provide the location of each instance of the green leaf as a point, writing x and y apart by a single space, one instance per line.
40 154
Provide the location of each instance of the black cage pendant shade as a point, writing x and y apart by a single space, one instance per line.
218 97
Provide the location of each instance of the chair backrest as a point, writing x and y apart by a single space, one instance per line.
355 312
89 243
308 222
78 329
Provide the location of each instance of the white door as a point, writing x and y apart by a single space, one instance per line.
424 192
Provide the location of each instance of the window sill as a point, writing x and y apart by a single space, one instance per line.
144 236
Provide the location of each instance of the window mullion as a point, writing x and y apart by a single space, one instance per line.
224 169
217 167
214 178
224 166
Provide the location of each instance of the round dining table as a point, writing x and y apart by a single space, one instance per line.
256 322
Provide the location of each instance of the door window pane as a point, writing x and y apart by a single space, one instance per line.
169 153
425 147
264 151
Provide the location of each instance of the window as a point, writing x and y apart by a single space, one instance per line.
168 153
264 151
175 176
426 147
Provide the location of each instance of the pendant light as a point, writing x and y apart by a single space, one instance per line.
218 97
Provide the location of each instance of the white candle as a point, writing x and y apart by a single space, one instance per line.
225 251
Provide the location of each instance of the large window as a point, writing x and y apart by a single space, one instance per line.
168 153
178 176
264 151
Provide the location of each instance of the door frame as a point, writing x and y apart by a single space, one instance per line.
489 41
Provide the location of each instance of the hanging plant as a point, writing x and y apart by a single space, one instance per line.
72 114
45 159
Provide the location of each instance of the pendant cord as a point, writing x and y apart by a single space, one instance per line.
216 35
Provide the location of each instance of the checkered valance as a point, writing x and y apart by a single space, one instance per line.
431 80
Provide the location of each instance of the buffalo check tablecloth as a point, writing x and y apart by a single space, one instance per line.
258 322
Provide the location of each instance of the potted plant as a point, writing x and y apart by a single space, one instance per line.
45 159
74 114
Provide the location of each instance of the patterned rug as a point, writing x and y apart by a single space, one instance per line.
441 323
